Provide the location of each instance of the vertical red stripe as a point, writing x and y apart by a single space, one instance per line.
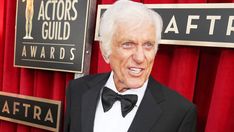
221 113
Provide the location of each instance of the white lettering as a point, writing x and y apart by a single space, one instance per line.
52 49
230 28
24 51
72 54
33 50
42 52
41 11
189 23
212 23
172 26
62 53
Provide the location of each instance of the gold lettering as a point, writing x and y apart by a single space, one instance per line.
26 106
37 112
5 108
15 109
49 116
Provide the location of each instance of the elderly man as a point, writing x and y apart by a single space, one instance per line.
128 99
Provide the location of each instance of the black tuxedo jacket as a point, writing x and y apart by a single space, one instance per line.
161 109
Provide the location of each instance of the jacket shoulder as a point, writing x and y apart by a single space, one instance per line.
172 98
81 84
177 99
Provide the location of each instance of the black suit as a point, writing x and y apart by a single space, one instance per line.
161 109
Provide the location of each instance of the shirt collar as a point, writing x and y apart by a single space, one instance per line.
139 91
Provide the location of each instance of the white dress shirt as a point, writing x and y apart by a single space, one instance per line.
112 120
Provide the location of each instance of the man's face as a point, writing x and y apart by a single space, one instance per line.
132 54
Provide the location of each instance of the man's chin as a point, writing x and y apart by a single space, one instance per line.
135 86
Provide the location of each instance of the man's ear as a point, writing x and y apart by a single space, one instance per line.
105 57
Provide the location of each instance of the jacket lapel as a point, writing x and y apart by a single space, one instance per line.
149 110
89 102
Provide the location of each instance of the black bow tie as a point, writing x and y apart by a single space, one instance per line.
128 101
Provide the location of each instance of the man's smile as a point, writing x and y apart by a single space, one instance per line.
135 71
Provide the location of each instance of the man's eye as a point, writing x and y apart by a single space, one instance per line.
148 45
127 45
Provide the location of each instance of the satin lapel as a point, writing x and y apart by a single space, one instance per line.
149 110
89 102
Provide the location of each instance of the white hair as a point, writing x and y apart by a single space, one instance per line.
129 12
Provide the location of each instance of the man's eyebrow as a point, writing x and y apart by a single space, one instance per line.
152 42
127 40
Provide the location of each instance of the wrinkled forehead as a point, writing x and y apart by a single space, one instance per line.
139 33
133 24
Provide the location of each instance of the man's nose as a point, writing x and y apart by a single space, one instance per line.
139 55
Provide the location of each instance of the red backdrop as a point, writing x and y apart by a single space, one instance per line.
203 75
